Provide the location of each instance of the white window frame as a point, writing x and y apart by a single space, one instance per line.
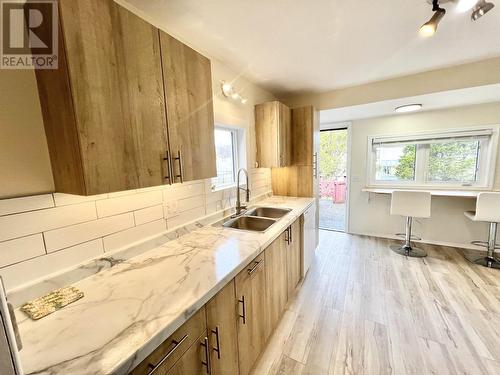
487 162
237 145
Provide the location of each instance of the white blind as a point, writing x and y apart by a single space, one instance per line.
470 135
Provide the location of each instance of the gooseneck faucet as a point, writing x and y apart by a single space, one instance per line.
239 207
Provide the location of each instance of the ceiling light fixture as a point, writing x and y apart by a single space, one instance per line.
408 108
230 92
429 28
482 7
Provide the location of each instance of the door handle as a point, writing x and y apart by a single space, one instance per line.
206 362
169 168
181 166
217 348
244 315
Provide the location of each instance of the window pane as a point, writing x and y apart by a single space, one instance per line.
225 158
395 163
453 161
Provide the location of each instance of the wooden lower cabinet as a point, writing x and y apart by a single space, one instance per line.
276 282
175 348
251 295
228 334
193 362
293 257
222 332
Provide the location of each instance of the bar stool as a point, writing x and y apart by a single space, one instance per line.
487 210
410 204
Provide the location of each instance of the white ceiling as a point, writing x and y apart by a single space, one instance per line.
318 45
440 100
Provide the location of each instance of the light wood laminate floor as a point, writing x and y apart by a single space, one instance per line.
363 309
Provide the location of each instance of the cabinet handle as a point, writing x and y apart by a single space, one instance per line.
169 168
216 349
244 316
170 352
206 363
181 166
256 265
291 233
287 236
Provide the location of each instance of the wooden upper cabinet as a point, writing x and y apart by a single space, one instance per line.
188 88
103 109
273 133
305 131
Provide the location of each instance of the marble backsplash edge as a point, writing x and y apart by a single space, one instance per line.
40 287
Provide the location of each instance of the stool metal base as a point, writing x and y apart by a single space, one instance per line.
485 261
409 251
489 260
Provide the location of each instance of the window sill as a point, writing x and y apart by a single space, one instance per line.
223 187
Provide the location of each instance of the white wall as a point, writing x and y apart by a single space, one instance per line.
369 213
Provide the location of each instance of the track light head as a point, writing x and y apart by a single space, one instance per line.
429 28
482 7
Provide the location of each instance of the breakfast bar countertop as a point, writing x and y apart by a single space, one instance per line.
131 308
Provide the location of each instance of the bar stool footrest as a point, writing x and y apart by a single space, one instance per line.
403 235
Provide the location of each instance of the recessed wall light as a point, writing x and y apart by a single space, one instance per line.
408 108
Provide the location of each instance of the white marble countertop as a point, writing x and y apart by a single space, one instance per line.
129 309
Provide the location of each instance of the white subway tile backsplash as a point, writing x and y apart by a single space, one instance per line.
149 214
19 225
121 204
39 267
177 192
127 237
66 199
186 217
24 204
21 249
69 236
45 233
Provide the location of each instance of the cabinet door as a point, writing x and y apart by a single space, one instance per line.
114 70
276 282
294 261
188 86
250 292
285 136
221 323
193 361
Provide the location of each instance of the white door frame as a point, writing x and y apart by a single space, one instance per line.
335 126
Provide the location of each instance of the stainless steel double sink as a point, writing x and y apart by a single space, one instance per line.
257 219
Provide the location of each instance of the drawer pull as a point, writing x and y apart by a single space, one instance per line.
244 316
170 352
206 363
256 265
216 333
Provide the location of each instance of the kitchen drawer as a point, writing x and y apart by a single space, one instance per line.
174 347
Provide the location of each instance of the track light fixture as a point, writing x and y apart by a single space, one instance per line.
429 28
482 7
479 9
